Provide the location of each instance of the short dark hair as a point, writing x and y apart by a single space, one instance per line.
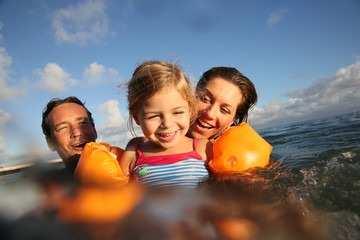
56 102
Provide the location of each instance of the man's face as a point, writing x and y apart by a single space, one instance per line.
71 129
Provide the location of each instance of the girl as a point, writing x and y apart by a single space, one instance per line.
162 103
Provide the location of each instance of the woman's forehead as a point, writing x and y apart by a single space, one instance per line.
224 91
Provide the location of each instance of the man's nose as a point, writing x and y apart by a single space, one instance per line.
75 131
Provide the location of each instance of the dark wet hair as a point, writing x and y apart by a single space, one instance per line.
56 102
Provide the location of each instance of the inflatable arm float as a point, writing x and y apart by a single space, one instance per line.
239 148
99 164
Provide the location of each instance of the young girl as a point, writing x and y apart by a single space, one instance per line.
162 103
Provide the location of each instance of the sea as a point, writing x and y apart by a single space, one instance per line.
317 160
320 162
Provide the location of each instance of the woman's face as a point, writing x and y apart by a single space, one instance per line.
216 108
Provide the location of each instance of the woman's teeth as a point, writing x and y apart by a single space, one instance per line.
204 124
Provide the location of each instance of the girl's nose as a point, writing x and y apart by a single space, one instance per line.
167 121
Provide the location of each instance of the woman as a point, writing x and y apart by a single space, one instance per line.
224 99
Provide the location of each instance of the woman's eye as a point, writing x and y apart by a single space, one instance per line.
225 110
204 98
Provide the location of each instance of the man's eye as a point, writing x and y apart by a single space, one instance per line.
62 129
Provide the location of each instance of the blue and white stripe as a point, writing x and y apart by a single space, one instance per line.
186 173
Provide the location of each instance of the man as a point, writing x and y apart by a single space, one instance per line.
68 126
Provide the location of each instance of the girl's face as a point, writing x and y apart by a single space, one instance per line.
164 118
217 107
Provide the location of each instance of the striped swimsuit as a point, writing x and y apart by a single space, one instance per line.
183 169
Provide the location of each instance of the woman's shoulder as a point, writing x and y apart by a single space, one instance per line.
204 148
204 142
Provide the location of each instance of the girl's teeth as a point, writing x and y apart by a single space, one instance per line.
168 134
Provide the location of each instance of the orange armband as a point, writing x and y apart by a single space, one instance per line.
238 149
99 164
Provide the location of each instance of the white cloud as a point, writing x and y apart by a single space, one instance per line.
6 92
54 79
334 95
111 110
5 117
2 145
81 23
114 131
97 73
276 17
94 73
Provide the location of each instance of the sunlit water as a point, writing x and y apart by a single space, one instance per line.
324 157
319 162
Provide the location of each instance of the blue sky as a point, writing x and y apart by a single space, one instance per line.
303 57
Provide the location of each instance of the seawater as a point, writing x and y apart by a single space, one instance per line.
318 161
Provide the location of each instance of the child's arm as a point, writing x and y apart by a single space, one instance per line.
128 160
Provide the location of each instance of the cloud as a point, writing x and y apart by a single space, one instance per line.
276 17
97 73
333 95
6 92
5 117
2 145
82 23
54 79
114 131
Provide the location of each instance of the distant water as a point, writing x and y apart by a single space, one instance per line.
324 160
319 162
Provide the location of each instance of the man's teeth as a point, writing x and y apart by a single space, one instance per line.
204 124
79 144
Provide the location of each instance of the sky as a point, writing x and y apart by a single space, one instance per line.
302 56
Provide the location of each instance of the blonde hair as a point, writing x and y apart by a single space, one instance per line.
153 76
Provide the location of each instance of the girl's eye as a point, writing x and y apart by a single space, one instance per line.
152 116
179 112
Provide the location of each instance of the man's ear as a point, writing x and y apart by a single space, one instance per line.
50 143
95 133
